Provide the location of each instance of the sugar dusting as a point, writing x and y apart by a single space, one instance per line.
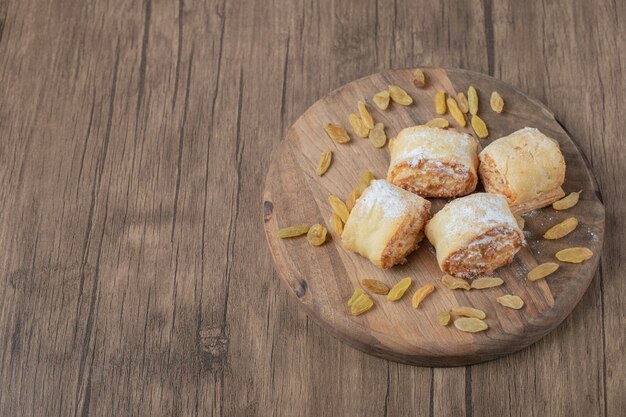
394 201
480 211
441 145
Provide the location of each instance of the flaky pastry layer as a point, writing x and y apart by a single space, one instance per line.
527 167
385 224
434 162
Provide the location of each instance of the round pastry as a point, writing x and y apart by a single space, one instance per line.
527 167
434 162
474 235
385 224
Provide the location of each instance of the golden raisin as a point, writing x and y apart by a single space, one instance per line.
419 78
443 318
382 99
567 202
362 304
439 122
398 95
468 312
454 283
357 293
486 282
336 224
324 163
511 301
421 294
479 127
453 107
542 271
440 102
562 229
358 126
316 235
574 255
339 207
366 178
398 290
337 133
365 115
375 286
470 324
377 135
472 98
497 104
292 231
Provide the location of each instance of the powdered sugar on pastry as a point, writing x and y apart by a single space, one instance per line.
479 211
421 142
474 234
393 201
433 162
385 223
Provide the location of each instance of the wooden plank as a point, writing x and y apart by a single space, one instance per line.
110 307
577 350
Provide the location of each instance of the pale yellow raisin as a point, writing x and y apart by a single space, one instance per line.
398 290
358 126
419 78
486 282
468 312
511 301
567 202
366 116
479 127
375 286
453 107
357 293
470 324
382 99
336 224
562 229
472 98
497 104
443 318
454 283
362 304
324 163
439 122
520 221
421 294
339 207
352 197
440 102
317 235
292 231
377 135
574 255
398 95
542 271
365 178
337 133
463 103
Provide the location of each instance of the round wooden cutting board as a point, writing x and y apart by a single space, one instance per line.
323 278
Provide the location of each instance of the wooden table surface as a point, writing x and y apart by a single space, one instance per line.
134 139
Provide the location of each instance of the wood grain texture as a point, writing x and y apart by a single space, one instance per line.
323 278
134 137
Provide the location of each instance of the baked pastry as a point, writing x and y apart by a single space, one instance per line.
526 167
474 235
434 162
385 224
